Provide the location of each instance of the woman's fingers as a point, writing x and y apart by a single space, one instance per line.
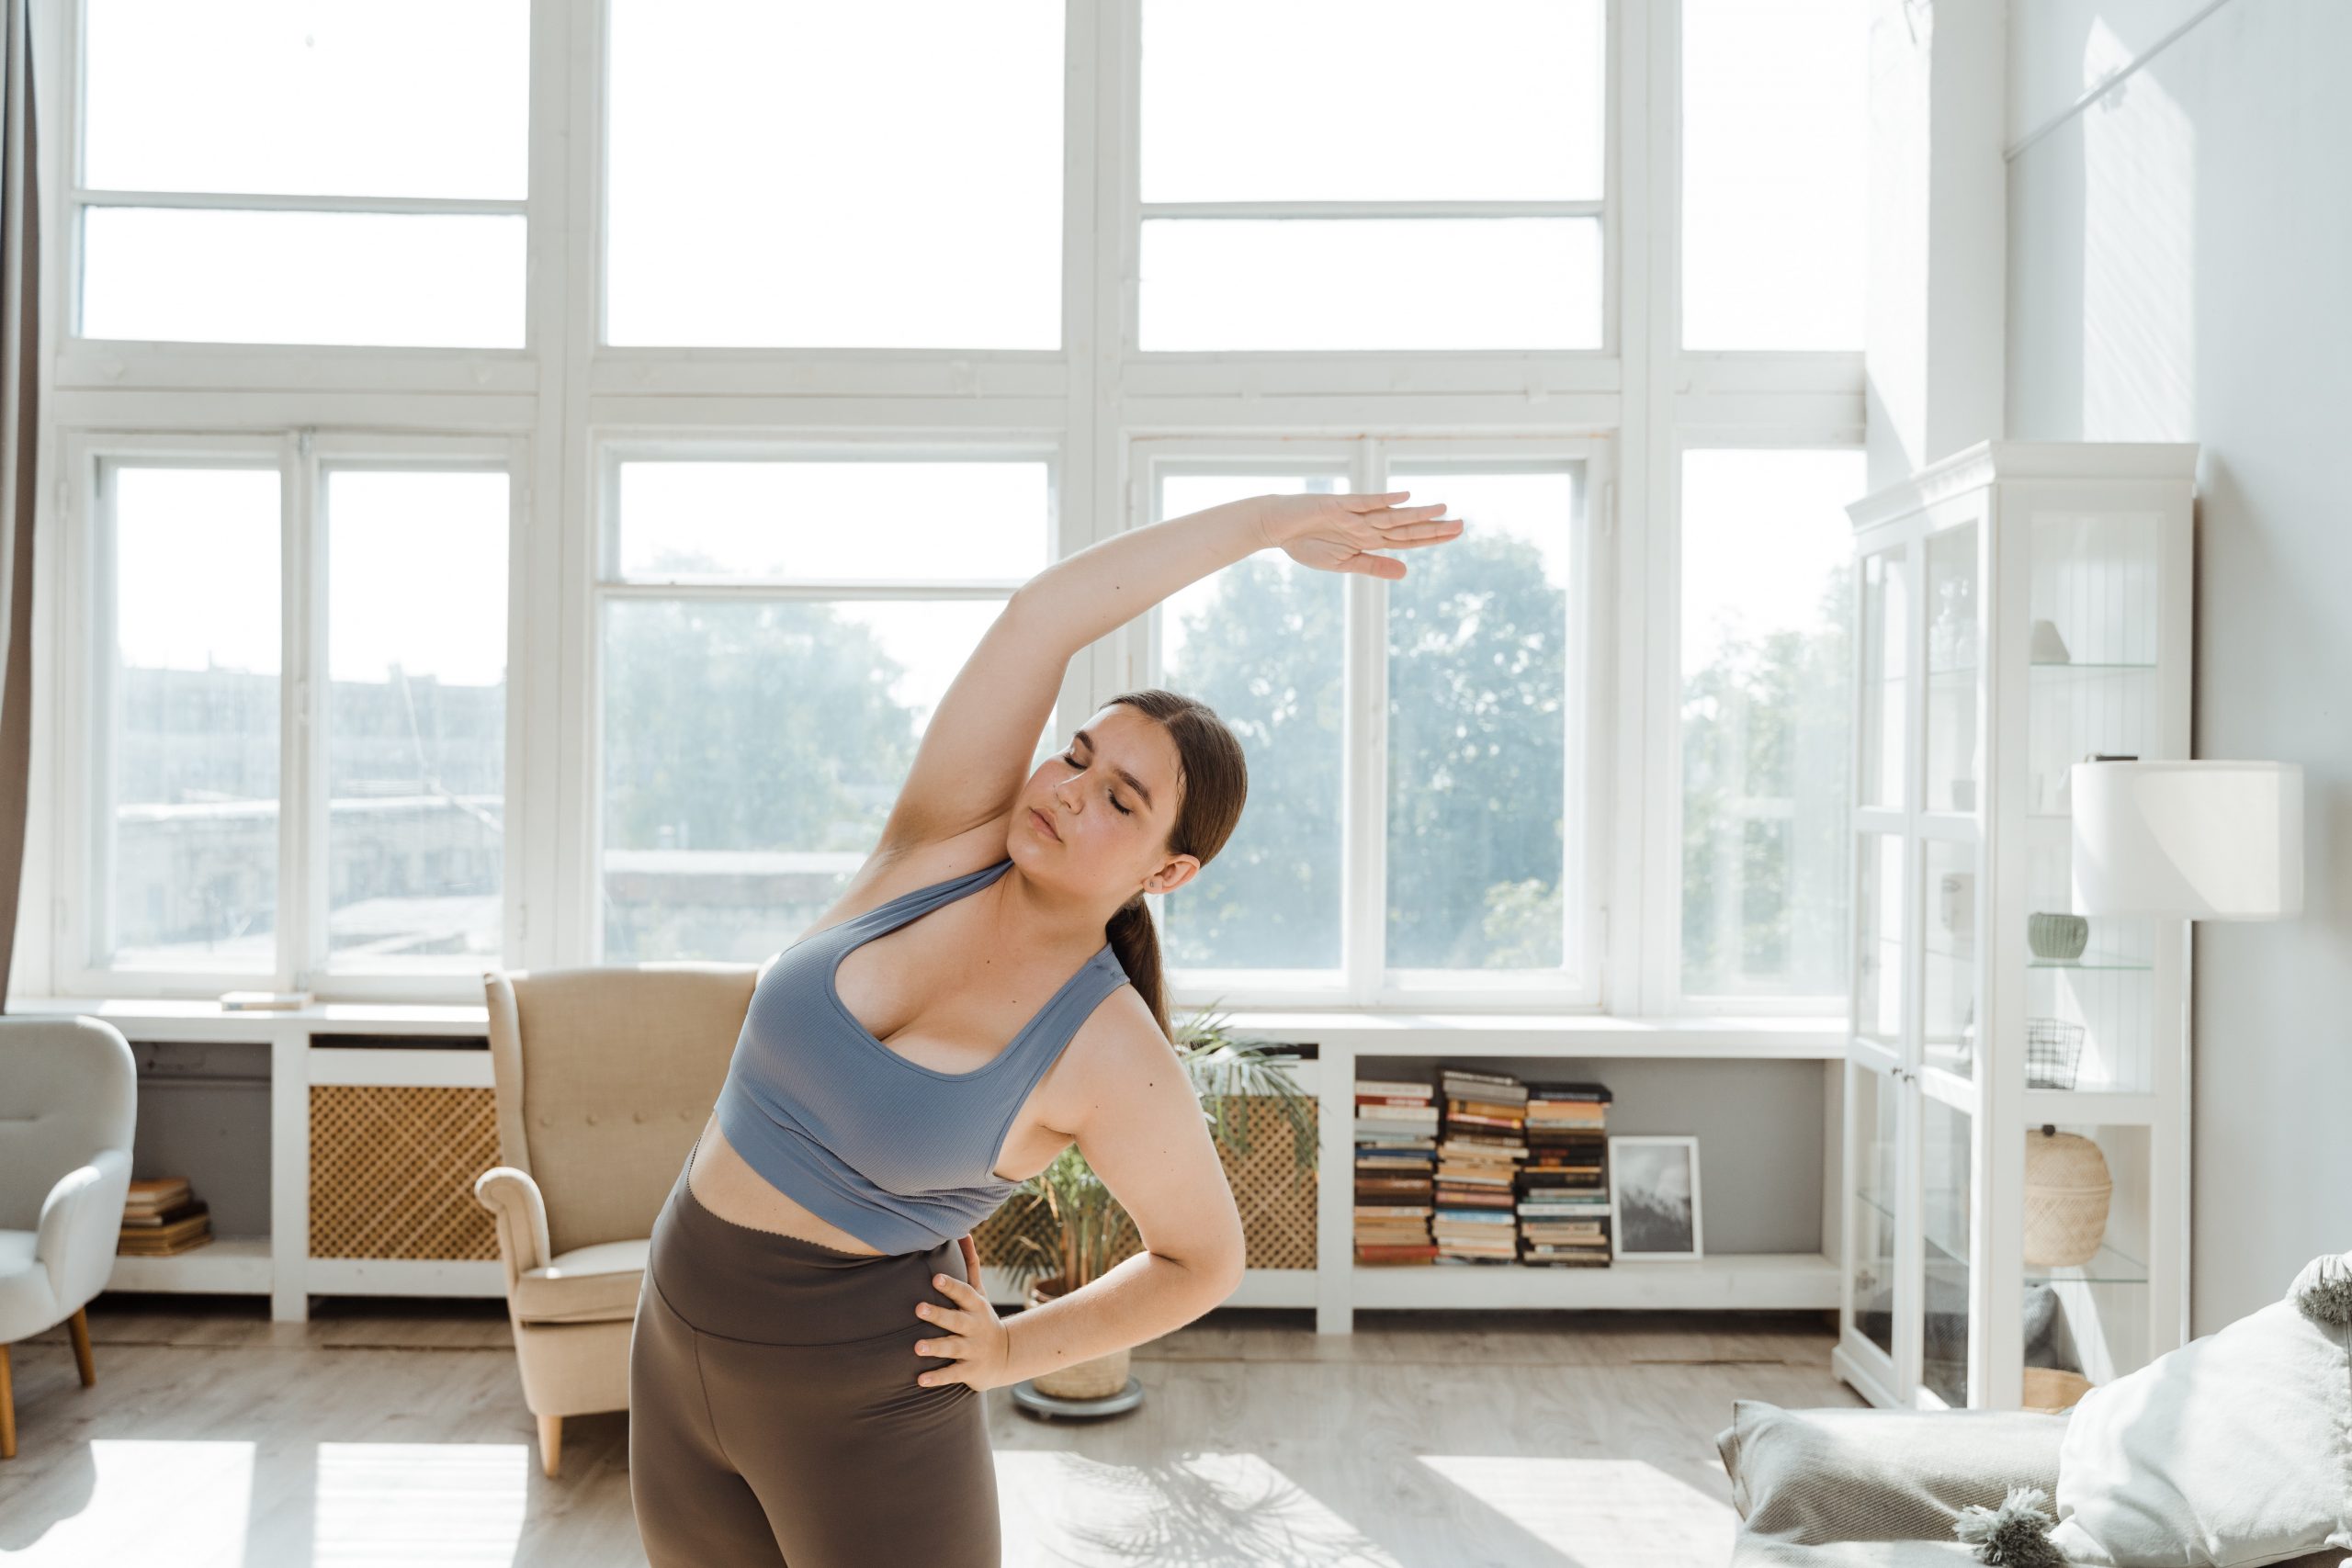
945 1317
956 1290
951 1348
1369 502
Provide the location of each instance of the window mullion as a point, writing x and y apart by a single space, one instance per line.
301 809
1366 748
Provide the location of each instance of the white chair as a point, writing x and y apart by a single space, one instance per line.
69 1099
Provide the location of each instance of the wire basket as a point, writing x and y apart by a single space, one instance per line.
2053 1048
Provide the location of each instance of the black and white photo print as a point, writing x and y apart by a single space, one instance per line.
1653 1197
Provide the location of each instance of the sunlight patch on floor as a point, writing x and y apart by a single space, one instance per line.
453 1505
1063 1508
205 1489
1601 1512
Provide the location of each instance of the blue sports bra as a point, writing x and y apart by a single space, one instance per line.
900 1156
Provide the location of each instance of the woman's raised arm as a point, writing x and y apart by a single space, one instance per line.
974 753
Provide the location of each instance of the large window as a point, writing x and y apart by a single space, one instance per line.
1416 824
530 471
263 173
835 176
772 635
296 710
1774 136
1766 686
1373 173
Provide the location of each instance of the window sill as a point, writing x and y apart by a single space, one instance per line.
1367 1033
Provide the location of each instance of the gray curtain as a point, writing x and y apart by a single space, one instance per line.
19 447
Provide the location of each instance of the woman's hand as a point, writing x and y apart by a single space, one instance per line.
1336 532
977 1341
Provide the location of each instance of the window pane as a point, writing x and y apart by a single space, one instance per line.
413 280
188 830
751 754
907 520
1331 283
416 718
1774 131
1765 686
1263 642
1481 707
1332 89
835 177
317 98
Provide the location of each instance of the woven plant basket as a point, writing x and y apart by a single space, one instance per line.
2067 1192
1098 1378
2049 1388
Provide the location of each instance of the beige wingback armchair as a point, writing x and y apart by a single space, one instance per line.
605 1077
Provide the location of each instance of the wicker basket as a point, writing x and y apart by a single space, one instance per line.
1097 1379
2067 1192
2053 1048
2049 1388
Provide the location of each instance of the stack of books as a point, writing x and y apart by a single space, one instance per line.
162 1216
1564 1185
1395 1139
1478 1155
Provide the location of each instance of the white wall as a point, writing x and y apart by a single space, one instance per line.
2181 268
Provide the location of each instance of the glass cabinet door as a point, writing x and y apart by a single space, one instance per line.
1883 679
1945 1203
1872 1162
1953 780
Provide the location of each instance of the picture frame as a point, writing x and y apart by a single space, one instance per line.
1653 1214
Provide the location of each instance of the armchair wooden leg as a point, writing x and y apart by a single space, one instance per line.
551 1443
8 1409
79 1324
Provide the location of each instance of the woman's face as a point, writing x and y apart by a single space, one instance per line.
1111 798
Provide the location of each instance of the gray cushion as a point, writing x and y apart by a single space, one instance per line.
1810 1477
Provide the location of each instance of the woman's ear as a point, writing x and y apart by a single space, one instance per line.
1179 870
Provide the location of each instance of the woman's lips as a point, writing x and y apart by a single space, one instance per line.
1044 822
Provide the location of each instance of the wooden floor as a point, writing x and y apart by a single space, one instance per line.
392 1431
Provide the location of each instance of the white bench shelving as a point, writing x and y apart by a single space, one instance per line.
277 1265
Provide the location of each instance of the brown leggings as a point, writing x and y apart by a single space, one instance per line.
774 1412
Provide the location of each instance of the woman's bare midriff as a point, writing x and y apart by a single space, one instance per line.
730 1189
723 1183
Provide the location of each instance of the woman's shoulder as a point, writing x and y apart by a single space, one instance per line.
893 871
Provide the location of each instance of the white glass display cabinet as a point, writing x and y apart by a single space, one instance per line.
2016 1174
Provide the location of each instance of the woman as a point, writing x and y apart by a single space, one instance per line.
809 1345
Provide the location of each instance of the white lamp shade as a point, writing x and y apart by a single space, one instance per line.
2207 841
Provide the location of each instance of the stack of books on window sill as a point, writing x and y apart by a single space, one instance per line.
1478 1155
1395 1139
1564 1185
162 1215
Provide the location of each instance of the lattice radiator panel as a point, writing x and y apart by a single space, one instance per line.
1275 1195
393 1169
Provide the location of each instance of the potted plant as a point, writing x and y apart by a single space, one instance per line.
1092 1233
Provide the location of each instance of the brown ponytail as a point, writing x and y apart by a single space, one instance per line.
1213 783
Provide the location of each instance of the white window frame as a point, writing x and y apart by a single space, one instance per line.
561 399
302 459
607 586
1364 979
1665 946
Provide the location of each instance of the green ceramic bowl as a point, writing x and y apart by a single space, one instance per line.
2061 937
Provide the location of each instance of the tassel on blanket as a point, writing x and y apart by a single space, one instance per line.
2324 1289
2014 1535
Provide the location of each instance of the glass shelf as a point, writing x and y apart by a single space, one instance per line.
2107 1267
2093 959
1961 674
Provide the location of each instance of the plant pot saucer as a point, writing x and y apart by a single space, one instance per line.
1025 1395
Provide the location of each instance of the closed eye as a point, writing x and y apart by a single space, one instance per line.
1071 758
